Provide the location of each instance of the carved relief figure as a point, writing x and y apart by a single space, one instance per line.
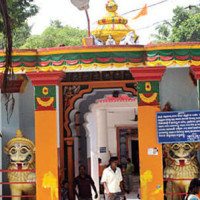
130 39
97 41
110 40
22 157
69 92
180 163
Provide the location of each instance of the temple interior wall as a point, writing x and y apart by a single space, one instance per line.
22 118
178 89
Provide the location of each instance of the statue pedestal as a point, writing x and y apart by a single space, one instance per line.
88 41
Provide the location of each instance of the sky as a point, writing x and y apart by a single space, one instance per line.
64 11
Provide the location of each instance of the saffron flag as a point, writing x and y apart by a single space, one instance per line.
142 12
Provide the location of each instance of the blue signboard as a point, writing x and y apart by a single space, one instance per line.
176 127
102 149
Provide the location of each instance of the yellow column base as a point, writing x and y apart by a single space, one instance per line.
46 155
151 168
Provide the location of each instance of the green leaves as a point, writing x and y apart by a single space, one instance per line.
185 26
19 11
55 35
19 35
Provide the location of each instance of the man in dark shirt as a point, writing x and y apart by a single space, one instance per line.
84 183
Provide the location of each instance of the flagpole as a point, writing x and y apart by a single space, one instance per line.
88 21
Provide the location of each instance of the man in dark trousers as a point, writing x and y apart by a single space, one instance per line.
84 183
112 181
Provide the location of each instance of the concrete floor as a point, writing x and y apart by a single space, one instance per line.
133 194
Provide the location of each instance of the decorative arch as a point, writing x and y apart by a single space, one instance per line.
75 92
127 86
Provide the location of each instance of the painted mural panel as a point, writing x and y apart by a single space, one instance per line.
123 146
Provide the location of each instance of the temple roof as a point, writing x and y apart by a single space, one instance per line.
112 24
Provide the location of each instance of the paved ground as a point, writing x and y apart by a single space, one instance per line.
133 194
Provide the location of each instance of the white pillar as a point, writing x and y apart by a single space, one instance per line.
102 131
92 147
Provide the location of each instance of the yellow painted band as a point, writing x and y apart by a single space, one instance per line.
103 66
105 49
23 53
108 49
75 67
150 99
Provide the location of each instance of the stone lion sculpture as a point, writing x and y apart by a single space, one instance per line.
22 157
180 163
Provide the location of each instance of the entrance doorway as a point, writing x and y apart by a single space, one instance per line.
135 155
75 141
128 148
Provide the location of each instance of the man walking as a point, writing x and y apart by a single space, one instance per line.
84 183
112 181
129 174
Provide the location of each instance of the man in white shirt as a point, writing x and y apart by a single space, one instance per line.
112 181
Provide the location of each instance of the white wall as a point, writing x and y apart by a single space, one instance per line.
178 89
26 112
118 118
22 118
101 124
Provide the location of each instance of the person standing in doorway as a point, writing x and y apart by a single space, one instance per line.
84 183
112 181
129 174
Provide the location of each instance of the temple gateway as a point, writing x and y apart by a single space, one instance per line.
84 104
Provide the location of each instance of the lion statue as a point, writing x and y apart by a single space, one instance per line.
22 157
180 163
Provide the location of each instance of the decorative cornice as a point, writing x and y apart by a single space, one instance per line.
175 45
80 49
196 71
147 73
92 58
13 86
111 99
46 78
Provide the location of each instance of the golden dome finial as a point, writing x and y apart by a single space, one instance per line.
19 134
112 24
111 6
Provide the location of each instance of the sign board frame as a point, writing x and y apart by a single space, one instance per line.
179 123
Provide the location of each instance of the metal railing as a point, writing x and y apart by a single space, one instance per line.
173 180
9 183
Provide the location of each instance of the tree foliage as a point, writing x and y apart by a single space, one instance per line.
164 31
184 27
19 11
55 35
19 36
